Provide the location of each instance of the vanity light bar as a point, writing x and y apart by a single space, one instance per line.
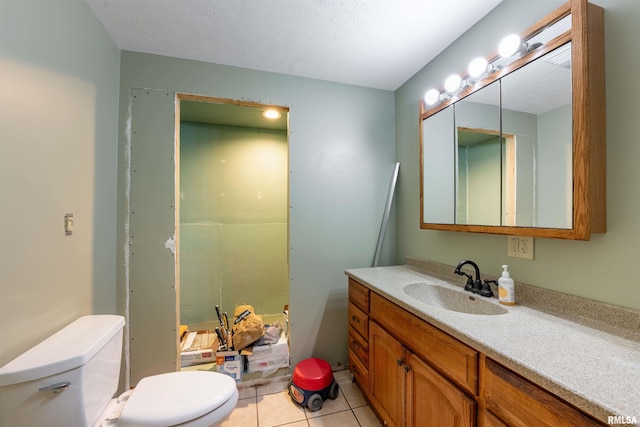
510 46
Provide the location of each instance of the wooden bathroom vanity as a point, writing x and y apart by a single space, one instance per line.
414 373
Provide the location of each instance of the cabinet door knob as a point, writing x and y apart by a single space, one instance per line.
355 319
407 368
400 362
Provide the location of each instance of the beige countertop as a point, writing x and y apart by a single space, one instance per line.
585 352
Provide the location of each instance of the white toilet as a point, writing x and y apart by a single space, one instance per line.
69 380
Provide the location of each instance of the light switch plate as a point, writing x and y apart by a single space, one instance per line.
68 224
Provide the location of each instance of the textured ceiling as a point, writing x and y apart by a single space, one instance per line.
372 43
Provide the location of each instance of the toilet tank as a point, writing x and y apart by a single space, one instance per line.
67 379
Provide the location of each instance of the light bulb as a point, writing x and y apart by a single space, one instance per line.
271 114
453 83
478 67
511 46
431 97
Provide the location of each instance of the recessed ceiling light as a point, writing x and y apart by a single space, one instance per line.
271 114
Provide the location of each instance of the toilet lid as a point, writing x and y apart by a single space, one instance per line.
175 398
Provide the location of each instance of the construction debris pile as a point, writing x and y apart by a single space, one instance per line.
244 345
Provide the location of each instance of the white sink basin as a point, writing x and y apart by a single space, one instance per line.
451 299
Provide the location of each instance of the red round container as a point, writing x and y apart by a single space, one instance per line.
312 374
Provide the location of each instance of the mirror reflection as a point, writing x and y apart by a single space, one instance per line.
478 143
503 155
438 161
536 111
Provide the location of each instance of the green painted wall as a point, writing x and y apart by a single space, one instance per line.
233 220
605 268
59 154
481 200
59 79
341 155
554 171
524 128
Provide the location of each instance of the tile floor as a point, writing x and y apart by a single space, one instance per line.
269 405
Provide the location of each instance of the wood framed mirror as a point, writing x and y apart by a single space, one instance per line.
516 155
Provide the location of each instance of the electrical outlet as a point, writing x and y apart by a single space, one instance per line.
513 246
526 247
520 247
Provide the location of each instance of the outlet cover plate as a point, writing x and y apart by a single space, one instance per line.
520 247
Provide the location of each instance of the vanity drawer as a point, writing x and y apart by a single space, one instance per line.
455 360
359 346
359 295
359 320
516 401
359 371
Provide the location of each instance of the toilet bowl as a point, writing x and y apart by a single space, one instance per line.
185 399
69 380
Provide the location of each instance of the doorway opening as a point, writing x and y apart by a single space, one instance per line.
232 227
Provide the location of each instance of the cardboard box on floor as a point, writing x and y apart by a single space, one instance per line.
230 363
197 348
269 357
201 347
268 365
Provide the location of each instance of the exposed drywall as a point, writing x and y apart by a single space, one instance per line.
151 289
233 221
341 154
605 268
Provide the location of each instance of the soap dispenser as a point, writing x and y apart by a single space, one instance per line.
506 288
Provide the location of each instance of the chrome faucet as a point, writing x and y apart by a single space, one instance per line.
476 285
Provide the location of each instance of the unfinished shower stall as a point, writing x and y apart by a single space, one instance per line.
207 200
233 212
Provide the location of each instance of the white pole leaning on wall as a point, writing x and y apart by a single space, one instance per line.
387 209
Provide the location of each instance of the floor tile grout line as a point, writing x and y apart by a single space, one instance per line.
354 416
257 410
307 419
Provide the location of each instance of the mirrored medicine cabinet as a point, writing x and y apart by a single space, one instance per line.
522 151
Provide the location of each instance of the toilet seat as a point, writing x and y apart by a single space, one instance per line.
176 398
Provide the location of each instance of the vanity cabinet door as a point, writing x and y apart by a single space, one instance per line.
387 376
433 401
455 360
407 391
